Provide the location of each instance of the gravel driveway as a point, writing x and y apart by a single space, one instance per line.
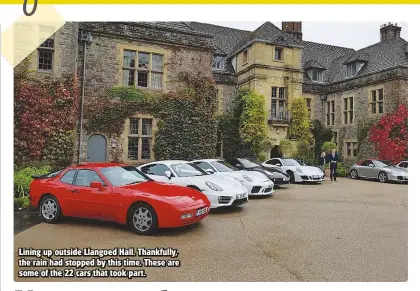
339 231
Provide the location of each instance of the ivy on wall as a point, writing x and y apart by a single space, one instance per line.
244 127
301 122
390 135
321 135
45 115
186 127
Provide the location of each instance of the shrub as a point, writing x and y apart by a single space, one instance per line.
390 135
286 147
328 146
22 180
321 134
301 122
342 170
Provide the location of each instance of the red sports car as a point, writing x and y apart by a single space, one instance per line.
116 192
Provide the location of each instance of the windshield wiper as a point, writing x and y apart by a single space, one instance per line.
135 182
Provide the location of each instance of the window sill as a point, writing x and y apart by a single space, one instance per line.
45 71
279 61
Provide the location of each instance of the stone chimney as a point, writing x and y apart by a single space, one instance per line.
294 29
390 31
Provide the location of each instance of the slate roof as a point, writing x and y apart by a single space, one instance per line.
224 38
332 59
268 33
380 56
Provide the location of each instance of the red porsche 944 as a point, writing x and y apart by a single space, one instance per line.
116 192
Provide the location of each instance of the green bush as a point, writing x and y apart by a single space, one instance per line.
286 147
328 146
342 170
23 178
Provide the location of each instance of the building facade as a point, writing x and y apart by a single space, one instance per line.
340 85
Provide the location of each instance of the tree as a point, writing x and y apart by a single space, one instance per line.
328 146
301 123
321 135
286 147
253 123
390 135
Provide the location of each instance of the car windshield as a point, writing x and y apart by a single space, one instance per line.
382 164
125 175
248 164
187 170
223 166
290 162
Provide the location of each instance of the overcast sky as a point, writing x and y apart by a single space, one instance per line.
354 35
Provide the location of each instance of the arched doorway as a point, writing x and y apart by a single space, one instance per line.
275 152
96 148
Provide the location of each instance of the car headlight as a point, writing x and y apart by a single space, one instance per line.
247 178
269 173
213 186
299 170
242 183
186 215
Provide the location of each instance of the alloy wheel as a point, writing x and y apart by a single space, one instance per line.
49 209
142 219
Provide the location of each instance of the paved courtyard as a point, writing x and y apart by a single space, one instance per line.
338 231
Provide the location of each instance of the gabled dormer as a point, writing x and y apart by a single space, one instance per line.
218 63
355 63
315 71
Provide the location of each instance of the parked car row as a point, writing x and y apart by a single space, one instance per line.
160 194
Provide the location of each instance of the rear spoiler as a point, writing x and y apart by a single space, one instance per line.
36 177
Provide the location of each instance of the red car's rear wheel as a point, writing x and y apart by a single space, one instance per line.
142 218
49 209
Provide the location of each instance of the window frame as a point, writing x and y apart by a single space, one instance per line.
245 57
376 102
281 59
104 182
74 176
330 115
218 59
139 136
353 146
348 110
137 69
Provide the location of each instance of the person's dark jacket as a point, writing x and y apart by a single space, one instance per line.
333 160
323 161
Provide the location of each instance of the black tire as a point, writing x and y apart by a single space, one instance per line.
382 177
354 174
49 209
142 218
292 177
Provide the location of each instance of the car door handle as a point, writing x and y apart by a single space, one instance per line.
74 191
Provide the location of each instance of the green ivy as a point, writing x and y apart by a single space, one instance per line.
59 148
286 147
301 122
363 127
321 135
328 146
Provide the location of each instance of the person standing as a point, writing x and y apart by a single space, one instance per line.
333 160
322 162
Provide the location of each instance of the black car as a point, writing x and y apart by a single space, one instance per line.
277 176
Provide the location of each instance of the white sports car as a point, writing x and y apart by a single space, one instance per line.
298 172
221 191
255 182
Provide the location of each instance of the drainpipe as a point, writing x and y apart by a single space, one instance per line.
85 38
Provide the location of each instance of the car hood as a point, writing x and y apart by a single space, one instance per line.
228 184
181 195
310 170
254 175
396 169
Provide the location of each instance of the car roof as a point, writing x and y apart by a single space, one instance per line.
97 165
166 162
207 160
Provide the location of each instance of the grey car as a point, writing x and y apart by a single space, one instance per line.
380 170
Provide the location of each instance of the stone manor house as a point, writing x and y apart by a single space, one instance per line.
340 85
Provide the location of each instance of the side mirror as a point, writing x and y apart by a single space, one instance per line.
210 171
278 165
168 174
97 185
371 165
239 166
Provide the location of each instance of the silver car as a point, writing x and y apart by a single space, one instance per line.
380 170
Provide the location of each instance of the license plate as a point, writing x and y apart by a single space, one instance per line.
240 196
316 176
201 211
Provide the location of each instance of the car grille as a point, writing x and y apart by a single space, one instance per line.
224 199
268 190
255 189
239 201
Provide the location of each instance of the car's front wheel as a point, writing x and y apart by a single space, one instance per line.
142 218
49 208
292 176
353 174
383 177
